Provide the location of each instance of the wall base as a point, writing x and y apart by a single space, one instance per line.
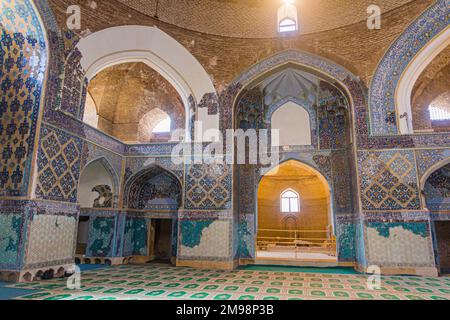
419 271
113 261
29 275
205 264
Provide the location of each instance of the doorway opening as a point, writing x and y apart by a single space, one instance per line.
160 240
437 197
82 235
295 220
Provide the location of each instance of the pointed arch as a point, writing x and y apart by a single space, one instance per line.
150 45
435 167
324 179
279 202
294 123
341 78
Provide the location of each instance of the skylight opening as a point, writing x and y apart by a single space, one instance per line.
163 126
437 114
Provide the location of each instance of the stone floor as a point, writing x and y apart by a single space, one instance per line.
167 282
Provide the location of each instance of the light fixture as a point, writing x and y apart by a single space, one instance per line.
289 1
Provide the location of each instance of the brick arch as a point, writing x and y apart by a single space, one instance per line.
161 52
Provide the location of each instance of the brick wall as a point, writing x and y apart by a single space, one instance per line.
353 46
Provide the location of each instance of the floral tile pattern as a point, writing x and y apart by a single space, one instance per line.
157 282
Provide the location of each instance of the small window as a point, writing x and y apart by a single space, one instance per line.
288 25
437 113
163 126
287 17
290 201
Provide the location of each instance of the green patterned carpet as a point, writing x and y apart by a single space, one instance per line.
165 282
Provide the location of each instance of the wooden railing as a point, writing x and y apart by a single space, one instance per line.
313 241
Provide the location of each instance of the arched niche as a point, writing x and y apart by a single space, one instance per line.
433 170
293 123
98 185
154 188
313 215
437 190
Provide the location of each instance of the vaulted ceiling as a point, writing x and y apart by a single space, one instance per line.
257 18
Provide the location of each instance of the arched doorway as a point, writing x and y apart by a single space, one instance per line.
436 192
151 228
295 221
288 86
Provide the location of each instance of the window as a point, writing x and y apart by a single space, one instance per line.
290 201
163 126
288 25
437 113
287 17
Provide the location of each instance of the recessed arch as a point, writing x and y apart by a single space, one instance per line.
135 182
294 124
312 213
346 82
353 92
394 78
273 170
153 47
324 178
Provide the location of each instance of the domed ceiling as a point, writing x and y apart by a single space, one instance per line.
257 18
